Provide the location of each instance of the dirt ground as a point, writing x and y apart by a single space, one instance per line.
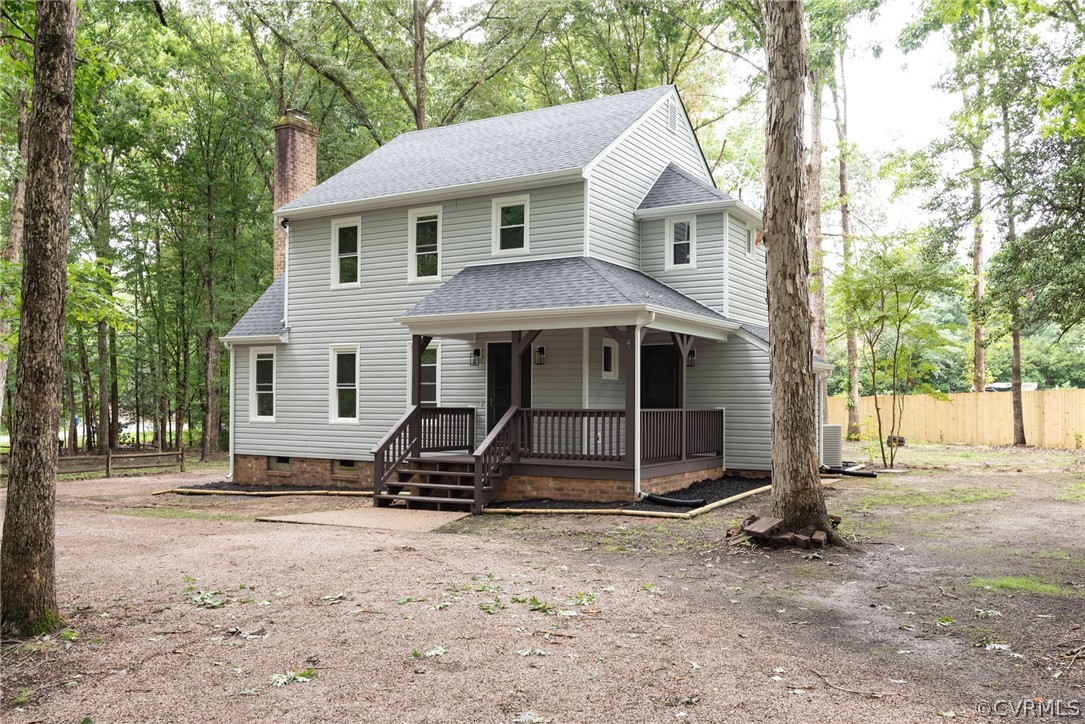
966 586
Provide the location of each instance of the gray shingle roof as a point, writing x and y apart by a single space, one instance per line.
550 139
265 317
553 283
676 187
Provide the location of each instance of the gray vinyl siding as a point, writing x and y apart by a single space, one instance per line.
622 178
604 394
747 298
735 375
320 317
705 282
556 385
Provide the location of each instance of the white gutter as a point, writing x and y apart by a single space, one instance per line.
444 193
233 386
257 339
740 209
636 412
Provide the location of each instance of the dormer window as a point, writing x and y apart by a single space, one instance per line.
346 245
510 225
681 243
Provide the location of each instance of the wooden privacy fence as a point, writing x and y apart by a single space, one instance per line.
110 463
1053 418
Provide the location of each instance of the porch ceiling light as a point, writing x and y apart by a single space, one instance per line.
540 356
691 358
476 357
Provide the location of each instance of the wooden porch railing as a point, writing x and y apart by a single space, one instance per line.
422 429
580 435
667 435
448 428
492 453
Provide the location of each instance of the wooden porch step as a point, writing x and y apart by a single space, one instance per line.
387 497
445 473
443 459
435 486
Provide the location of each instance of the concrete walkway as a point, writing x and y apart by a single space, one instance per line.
408 521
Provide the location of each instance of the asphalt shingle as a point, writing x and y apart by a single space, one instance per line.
553 284
676 187
265 317
557 138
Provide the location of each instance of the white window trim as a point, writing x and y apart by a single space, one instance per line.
435 345
495 232
750 242
668 262
338 224
412 231
613 374
253 353
333 387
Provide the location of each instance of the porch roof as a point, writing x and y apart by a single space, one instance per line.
555 294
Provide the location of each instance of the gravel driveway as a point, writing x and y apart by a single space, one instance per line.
184 609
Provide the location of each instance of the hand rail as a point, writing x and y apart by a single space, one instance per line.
401 441
492 452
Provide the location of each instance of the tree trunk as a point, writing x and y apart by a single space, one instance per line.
16 221
840 105
114 393
27 560
73 412
796 490
1015 386
88 391
979 371
419 69
813 219
103 387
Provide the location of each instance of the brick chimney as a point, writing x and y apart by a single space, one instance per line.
295 169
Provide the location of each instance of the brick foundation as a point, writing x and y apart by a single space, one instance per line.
315 472
670 483
527 487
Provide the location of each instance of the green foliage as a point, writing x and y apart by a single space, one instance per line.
1019 584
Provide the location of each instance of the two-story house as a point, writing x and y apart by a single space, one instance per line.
558 303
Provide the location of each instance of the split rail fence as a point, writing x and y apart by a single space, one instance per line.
1053 418
114 462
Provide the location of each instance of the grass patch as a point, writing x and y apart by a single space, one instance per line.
1073 494
909 497
179 513
1019 584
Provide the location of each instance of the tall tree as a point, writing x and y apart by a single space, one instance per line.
27 558
796 490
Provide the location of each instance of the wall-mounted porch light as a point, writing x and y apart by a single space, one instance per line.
476 357
540 356
691 358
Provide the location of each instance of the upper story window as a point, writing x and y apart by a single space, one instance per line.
681 243
751 240
262 384
344 384
424 230
511 230
609 364
346 247
431 384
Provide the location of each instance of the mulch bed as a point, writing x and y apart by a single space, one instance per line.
710 490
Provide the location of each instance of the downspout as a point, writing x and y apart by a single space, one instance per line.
285 224
233 384
636 413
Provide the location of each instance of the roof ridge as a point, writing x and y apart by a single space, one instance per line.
417 131
613 286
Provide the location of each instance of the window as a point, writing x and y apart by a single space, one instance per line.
345 253
610 360
751 239
344 384
262 387
425 243
681 243
431 377
511 227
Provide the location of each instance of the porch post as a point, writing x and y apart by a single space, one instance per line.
682 345
517 384
419 343
632 414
